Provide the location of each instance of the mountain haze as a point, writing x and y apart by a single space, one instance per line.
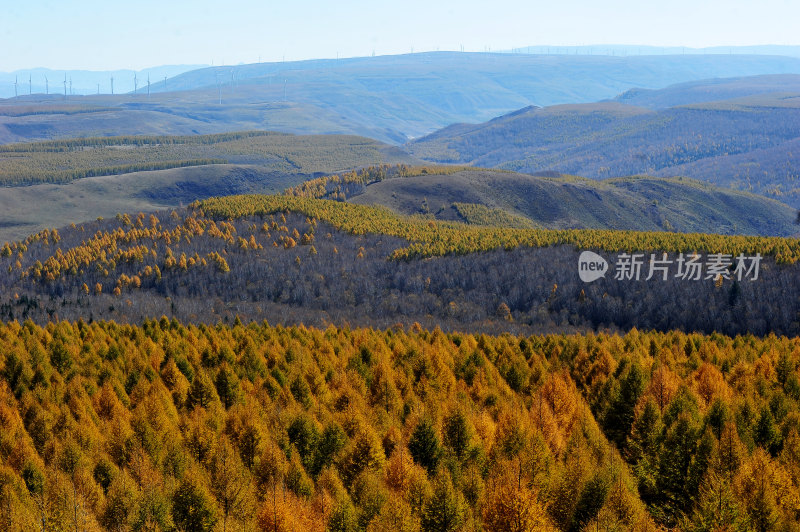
81 82
711 90
389 98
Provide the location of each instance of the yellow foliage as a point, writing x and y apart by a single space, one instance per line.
515 509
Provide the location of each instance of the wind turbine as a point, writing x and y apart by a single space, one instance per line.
46 86
30 85
148 86
70 85
112 85
165 82
65 85
15 87
135 83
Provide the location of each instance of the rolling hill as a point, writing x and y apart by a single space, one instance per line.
195 113
152 173
389 98
634 203
745 143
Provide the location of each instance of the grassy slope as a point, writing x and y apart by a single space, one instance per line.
25 210
627 203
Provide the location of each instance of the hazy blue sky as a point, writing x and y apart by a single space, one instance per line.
109 34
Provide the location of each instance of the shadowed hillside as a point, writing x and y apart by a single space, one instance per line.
294 260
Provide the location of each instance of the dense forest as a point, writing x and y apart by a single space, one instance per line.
172 427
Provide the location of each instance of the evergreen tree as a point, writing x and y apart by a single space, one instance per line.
765 434
446 509
227 385
717 508
193 507
424 446
201 392
619 418
456 433
679 447
644 448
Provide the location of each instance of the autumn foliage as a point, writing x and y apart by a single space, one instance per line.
172 427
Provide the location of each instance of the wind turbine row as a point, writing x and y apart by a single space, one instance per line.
69 92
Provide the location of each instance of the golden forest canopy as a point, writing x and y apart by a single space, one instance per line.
171 427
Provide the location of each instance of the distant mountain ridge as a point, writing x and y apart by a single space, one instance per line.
710 90
633 49
389 98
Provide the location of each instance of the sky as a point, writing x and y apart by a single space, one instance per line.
111 35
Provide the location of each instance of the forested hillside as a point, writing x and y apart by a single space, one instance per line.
747 144
294 260
289 363
522 290
62 161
